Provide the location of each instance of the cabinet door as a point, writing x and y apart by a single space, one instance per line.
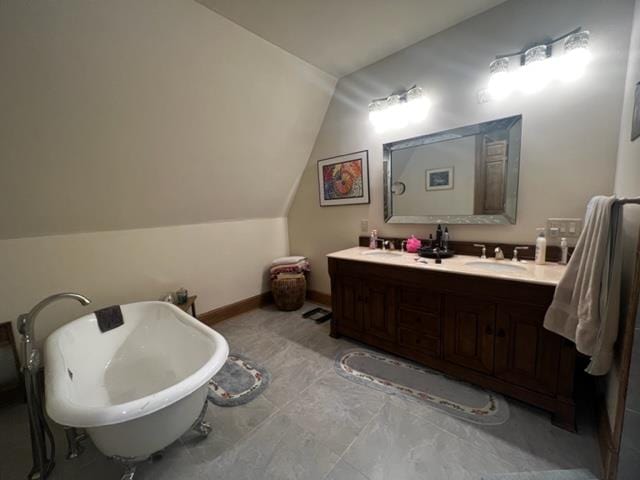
526 353
379 309
349 304
469 326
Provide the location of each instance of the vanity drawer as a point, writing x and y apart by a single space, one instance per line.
422 299
419 341
424 322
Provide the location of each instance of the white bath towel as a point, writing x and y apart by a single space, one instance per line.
287 260
586 303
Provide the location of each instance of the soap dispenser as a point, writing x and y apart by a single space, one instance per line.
541 247
373 239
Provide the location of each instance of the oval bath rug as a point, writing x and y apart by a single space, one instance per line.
401 377
238 382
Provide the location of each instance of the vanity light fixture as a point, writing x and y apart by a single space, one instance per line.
540 65
576 56
535 73
501 81
399 109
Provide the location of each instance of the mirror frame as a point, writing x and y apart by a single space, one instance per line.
511 201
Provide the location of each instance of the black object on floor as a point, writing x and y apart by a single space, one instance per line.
318 314
109 318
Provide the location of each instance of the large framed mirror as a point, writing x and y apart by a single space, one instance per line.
466 175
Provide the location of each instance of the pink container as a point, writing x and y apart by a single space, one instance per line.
413 244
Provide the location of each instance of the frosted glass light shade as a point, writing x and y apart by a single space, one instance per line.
417 105
500 81
537 70
577 56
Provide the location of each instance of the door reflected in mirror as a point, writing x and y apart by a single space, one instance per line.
465 175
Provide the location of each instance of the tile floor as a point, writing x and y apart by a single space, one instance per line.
312 424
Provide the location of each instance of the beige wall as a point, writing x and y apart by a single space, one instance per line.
569 137
147 123
220 262
130 114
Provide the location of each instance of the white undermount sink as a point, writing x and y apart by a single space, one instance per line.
497 267
382 253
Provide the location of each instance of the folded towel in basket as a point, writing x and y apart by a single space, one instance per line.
300 267
287 260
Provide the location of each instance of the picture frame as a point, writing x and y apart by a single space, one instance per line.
635 120
439 179
344 179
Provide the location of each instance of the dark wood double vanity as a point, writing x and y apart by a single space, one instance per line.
477 326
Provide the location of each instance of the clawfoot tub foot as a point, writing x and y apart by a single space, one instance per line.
129 465
129 473
201 427
74 447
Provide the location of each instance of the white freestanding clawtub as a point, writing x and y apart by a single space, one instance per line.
136 388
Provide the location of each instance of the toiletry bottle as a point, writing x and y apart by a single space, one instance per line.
564 249
541 247
429 241
438 243
445 239
373 239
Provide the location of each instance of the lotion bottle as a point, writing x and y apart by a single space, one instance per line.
541 247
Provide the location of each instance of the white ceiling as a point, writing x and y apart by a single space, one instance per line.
342 36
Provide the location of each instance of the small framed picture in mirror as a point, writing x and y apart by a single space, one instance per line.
635 122
440 179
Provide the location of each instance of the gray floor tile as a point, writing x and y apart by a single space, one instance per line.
292 369
344 471
335 409
397 444
527 440
309 415
229 425
278 449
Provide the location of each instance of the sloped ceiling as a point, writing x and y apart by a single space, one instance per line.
120 114
342 36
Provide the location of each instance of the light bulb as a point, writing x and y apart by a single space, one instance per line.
577 56
500 81
417 105
537 71
396 112
377 115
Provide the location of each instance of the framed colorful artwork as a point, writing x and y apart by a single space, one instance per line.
635 121
344 180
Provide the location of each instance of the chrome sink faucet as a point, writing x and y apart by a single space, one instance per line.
498 253
515 253
484 250
383 242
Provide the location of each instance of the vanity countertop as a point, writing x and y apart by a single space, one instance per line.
525 271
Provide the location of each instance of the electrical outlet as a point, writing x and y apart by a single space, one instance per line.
364 226
564 227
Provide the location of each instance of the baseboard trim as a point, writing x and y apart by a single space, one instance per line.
608 451
227 311
319 297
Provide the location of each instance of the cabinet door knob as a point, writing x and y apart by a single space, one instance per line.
501 333
488 330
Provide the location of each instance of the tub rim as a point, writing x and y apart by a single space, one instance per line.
64 411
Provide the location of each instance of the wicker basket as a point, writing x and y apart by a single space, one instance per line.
289 292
